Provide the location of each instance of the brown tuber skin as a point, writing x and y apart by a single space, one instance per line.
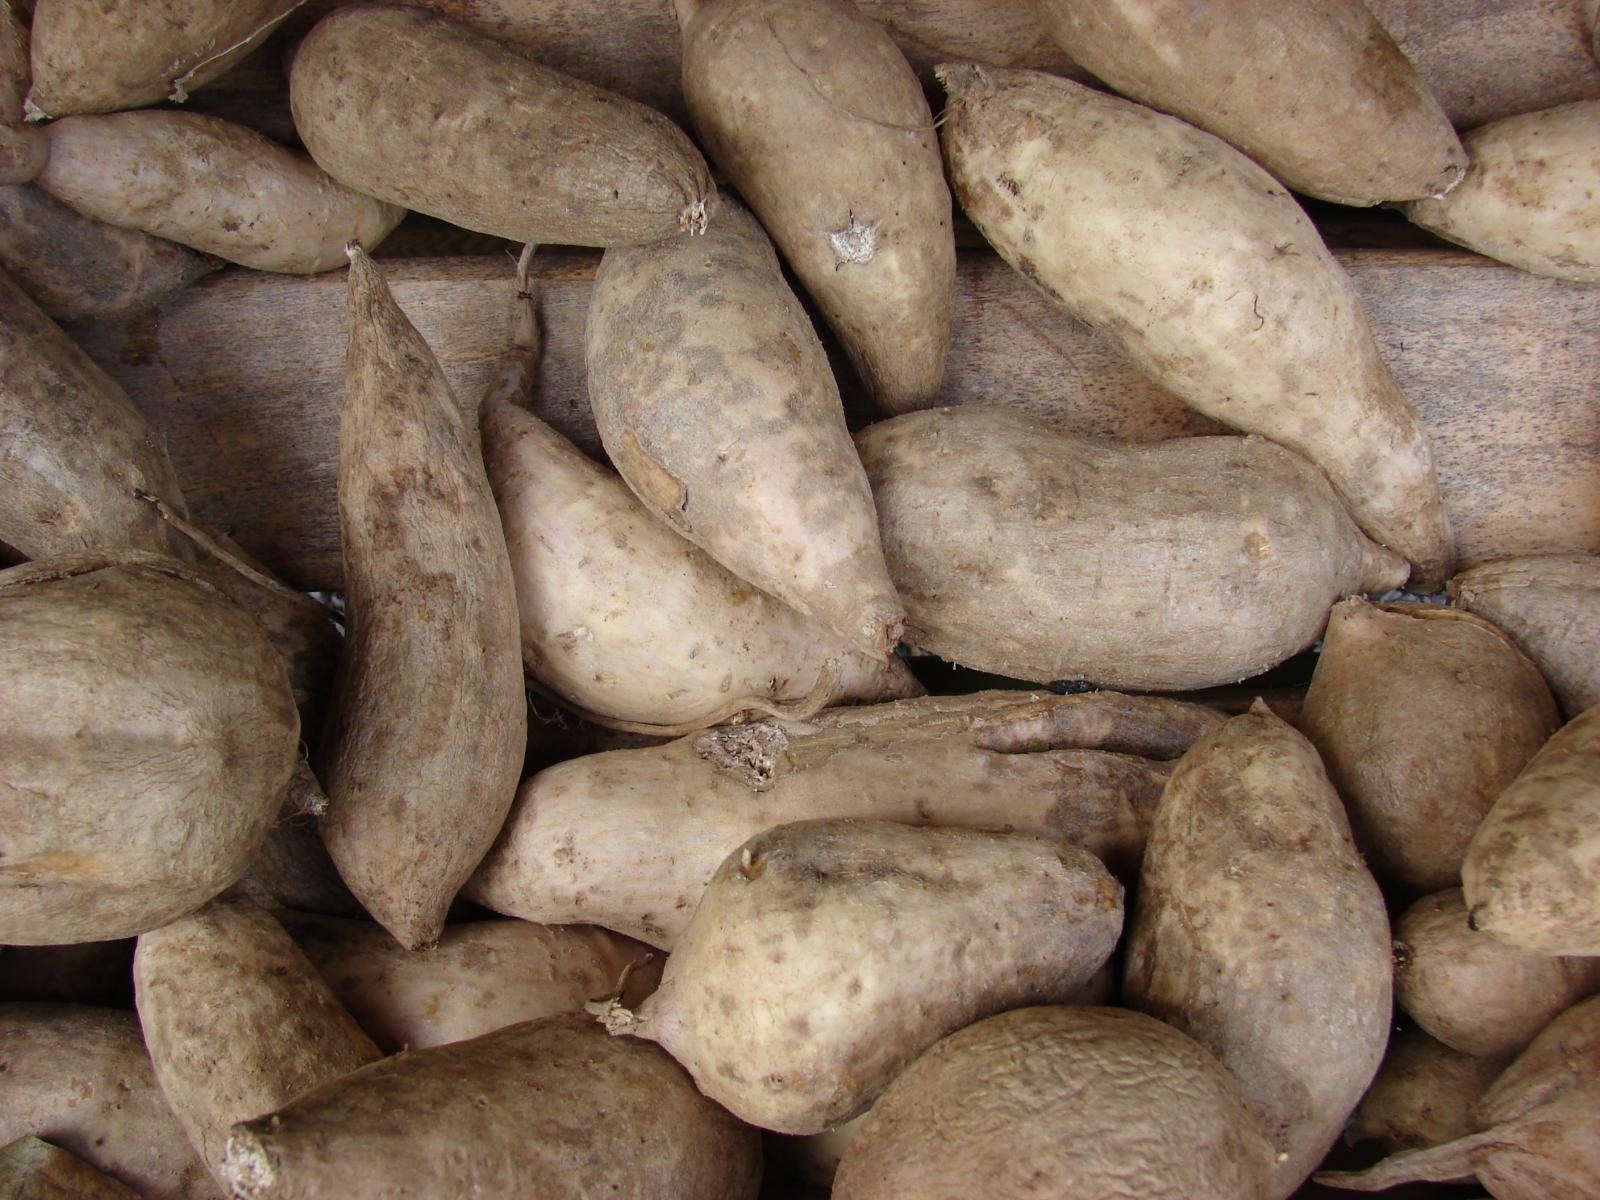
1167 566
1550 605
1423 1094
526 153
1315 91
717 405
151 735
629 839
237 1020
822 126
31 1169
482 976
1091 1103
94 57
213 186
555 1103
1532 871
1418 779
75 267
1260 933
1534 1135
826 955
428 724
1474 994
1200 267
23 148
80 1078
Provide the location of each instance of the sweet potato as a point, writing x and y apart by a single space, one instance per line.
422 111
1550 605
554 1104
74 267
1423 1094
151 735
822 126
237 1020
1092 1103
630 839
626 619
1200 267
1315 91
1532 195
1532 871
428 723
482 976
825 955
1418 778
1475 994
1260 933
93 57
1171 565
212 185
79 1077
31 1169
23 148
716 403
1534 1134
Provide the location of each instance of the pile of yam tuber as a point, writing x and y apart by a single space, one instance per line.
837 786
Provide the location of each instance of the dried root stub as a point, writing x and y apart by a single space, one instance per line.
150 737
1535 1134
1091 1103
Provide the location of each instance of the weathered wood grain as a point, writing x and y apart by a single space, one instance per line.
244 373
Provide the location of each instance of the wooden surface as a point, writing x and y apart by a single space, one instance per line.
1482 58
244 376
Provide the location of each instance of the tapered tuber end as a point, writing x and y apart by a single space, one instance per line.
693 218
1451 1162
32 113
246 1168
1382 570
353 250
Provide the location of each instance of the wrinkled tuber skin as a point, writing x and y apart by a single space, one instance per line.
825 955
94 57
31 1169
1423 1094
75 267
151 735
482 976
623 617
553 1101
1550 605
23 148
532 155
1167 566
1316 91
716 403
237 1020
428 723
1534 1130
822 126
213 186
1092 1103
1201 267
629 839
1531 197
80 1078
1532 872
74 451
1473 993
1417 778
1261 934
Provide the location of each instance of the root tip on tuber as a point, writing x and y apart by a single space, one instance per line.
615 1016
693 218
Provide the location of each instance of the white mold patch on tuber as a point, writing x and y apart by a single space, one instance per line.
247 1169
857 242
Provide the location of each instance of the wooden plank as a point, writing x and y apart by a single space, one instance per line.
1482 58
244 375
